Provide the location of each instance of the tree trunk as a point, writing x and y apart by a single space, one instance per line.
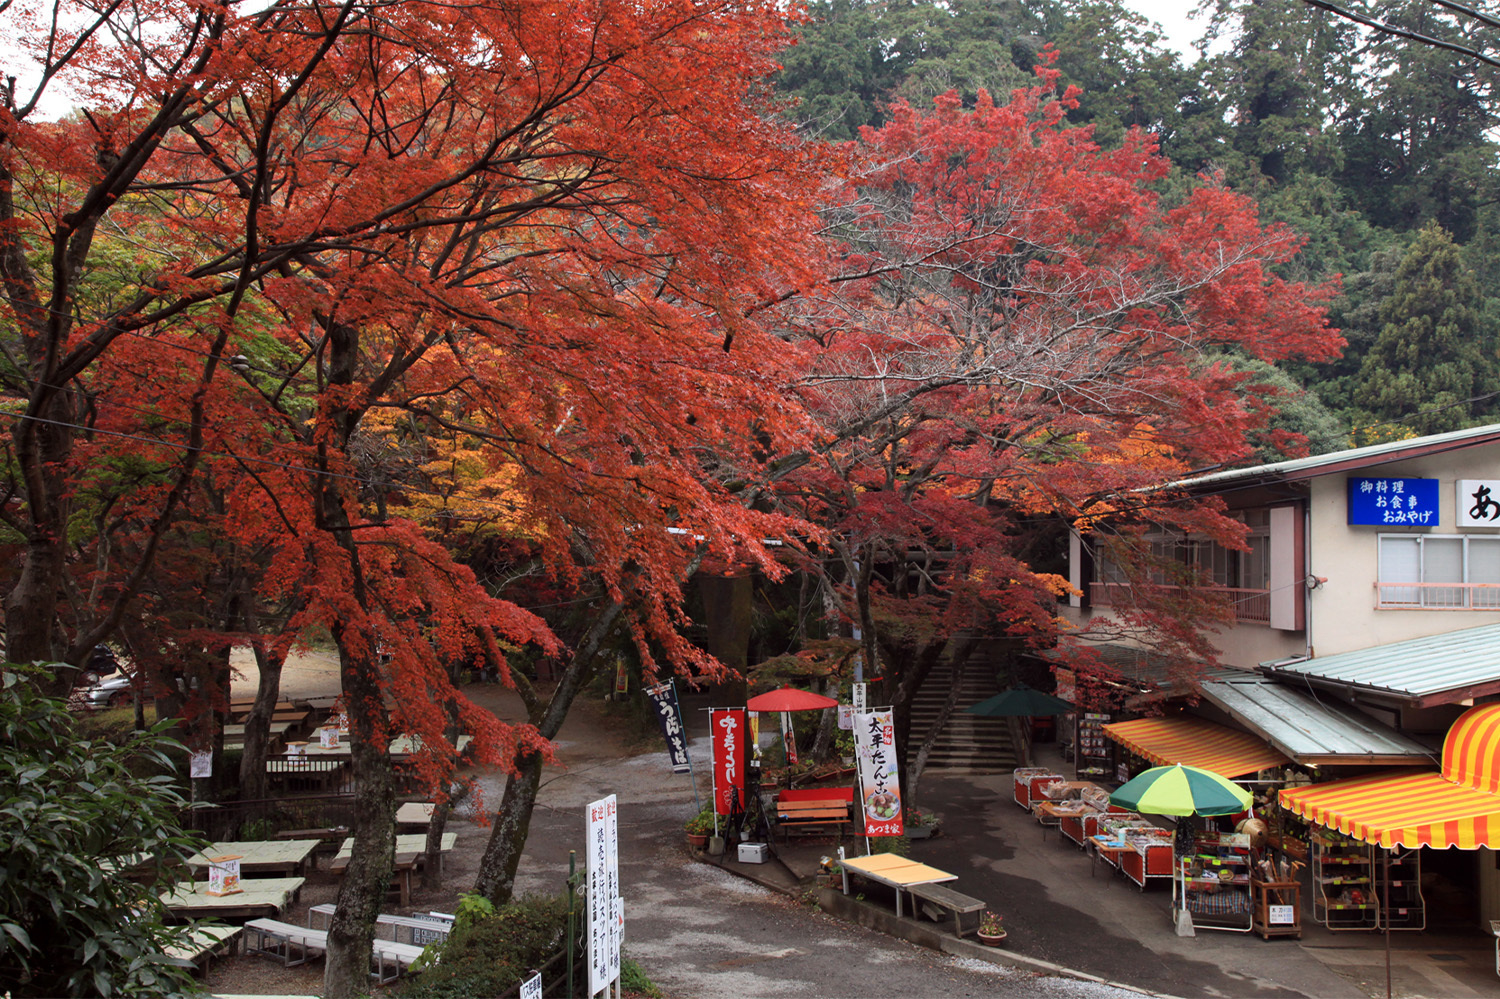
497 869
502 855
431 876
253 783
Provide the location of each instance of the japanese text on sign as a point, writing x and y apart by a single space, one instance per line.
602 895
729 756
663 699
1409 502
875 747
1478 502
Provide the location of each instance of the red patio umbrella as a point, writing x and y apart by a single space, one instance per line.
790 699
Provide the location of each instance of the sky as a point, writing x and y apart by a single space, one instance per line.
1172 15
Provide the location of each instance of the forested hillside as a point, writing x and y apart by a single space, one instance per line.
1378 149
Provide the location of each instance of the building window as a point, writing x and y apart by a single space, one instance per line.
1439 571
1241 577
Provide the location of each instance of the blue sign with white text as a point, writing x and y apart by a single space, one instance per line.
1393 502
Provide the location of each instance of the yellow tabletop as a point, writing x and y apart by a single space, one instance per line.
192 898
917 874
414 813
259 854
876 863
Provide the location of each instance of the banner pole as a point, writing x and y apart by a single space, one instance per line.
692 774
713 774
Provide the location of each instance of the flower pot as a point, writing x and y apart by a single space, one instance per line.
992 939
696 841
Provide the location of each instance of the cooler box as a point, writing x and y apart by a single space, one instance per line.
752 853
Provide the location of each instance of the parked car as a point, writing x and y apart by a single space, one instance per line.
114 692
102 663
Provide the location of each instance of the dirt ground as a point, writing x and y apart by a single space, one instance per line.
590 735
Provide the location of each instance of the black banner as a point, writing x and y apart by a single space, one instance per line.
669 716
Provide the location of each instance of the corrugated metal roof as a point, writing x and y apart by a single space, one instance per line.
1374 454
1416 668
1307 729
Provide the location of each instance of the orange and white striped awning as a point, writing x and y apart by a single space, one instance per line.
1401 809
1458 807
1196 742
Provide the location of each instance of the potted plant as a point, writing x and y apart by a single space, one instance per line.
699 828
991 929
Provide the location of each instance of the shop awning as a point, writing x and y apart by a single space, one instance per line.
1401 809
1196 742
1458 807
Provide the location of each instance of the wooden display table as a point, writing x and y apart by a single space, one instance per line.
257 897
1276 908
286 857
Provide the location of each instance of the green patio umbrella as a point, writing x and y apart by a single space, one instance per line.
1020 702
1181 790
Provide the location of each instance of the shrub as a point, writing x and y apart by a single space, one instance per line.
701 824
490 955
77 814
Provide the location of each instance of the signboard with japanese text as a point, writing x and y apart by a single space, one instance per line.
1478 502
663 698
1393 502
532 987
875 753
1281 915
729 738
858 696
846 717
201 763
602 893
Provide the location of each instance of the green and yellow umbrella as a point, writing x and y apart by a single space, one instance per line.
1181 790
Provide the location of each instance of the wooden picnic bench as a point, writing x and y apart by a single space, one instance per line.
419 930
936 900
816 808
295 945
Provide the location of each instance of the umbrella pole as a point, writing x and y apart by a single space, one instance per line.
1385 913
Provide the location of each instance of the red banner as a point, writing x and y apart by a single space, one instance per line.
730 736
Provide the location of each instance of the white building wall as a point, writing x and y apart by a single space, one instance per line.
1343 615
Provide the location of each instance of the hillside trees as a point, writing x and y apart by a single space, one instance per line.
1033 339
550 227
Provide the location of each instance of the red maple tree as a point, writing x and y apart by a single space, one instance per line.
1028 332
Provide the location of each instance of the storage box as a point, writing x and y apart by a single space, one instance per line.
752 853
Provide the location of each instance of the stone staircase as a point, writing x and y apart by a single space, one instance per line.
967 743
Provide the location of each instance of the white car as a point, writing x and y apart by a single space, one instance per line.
114 692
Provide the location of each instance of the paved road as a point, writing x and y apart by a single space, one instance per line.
701 932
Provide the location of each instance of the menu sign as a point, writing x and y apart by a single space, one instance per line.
1093 755
602 896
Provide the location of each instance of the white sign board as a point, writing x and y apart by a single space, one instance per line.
846 717
532 987
1478 502
603 893
1281 915
859 697
201 763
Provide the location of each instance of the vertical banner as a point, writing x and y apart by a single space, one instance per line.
789 738
858 695
663 698
875 748
622 679
728 725
602 896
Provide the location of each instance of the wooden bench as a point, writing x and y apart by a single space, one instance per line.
938 900
801 808
296 945
419 930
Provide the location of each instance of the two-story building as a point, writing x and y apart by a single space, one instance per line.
1366 623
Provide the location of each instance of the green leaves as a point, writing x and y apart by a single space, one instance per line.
77 817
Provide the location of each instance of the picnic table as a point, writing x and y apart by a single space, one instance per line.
890 869
257 897
410 851
401 745
198 949
285 857
415 813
